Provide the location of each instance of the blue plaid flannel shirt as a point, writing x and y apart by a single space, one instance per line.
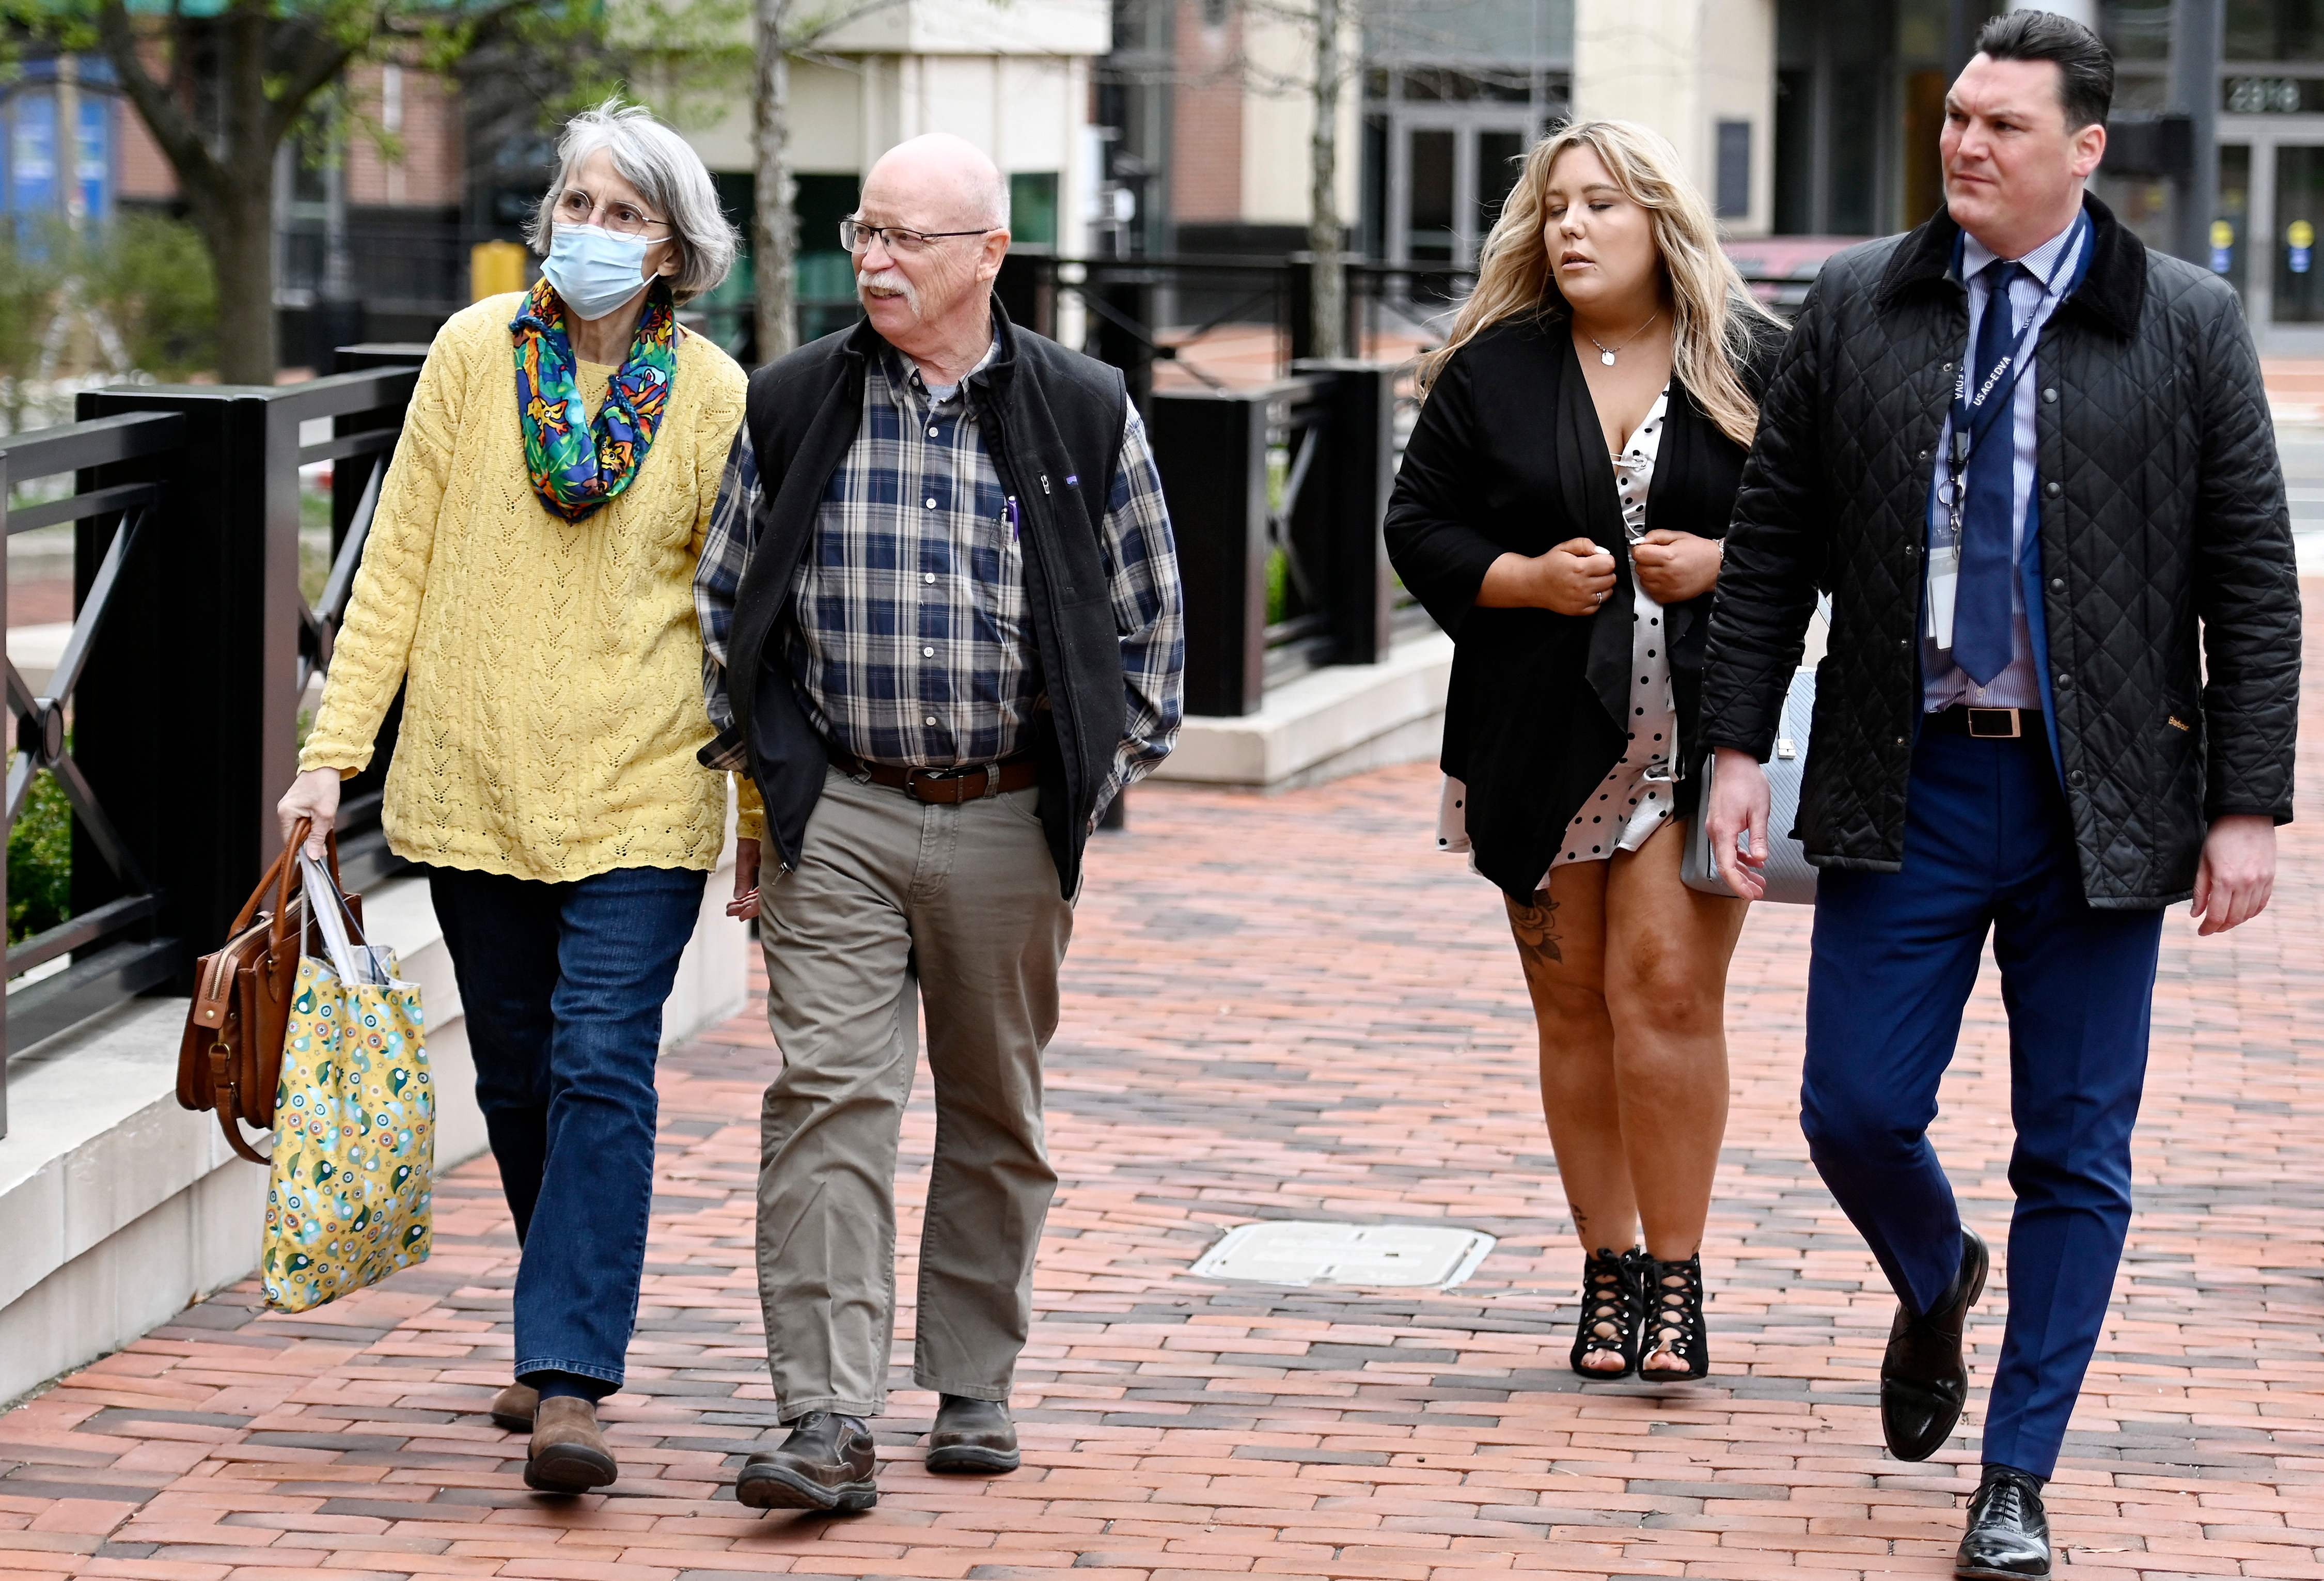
910 643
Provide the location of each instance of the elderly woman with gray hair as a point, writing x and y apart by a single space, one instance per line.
529 584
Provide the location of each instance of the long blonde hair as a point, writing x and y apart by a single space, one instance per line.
1713 314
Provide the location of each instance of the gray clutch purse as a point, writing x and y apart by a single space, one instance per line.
1790 877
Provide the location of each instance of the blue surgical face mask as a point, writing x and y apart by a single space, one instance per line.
595 270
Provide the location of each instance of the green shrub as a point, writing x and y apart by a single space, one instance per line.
152 277
40 861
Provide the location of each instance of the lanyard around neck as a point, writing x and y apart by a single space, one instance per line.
1977 410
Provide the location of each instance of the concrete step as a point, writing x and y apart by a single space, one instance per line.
1338 720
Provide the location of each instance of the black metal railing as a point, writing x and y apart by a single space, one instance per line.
171 720
1294 474
113 947
1173 307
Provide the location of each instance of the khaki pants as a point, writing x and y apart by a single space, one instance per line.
895 899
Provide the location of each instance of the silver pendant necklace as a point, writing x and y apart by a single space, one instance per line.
1605 354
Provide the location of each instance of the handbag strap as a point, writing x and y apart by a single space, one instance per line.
354 923
225 1099
281 875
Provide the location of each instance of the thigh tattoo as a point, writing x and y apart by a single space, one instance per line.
1536 927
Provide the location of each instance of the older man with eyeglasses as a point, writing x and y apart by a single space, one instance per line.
940 607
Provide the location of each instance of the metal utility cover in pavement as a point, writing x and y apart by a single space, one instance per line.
1291 1252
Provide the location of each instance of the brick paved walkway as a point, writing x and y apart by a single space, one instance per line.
1291 1007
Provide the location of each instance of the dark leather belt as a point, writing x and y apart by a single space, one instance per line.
949 786
1984 723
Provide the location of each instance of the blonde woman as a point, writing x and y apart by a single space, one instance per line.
1559 511
529 581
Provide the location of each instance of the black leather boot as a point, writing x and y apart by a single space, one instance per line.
972 1435
828 1463
2008 1536
1924 1377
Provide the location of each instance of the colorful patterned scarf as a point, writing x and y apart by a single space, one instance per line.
576 465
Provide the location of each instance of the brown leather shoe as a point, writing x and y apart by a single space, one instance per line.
972 1435
515 1406
828 1463
569 1448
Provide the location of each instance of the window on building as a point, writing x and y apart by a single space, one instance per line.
1794 151
2275 29
2136 30
1500 157
1033 207
1733 168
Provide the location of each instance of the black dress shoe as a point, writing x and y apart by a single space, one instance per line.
972 1435
2009 1537
1925 1378
828 1463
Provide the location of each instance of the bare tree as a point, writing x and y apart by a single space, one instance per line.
1336 34
1331 68
784 29
1327 273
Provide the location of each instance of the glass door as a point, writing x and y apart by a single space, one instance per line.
2230 237
1449 173
1432 199
2299 285
1500 155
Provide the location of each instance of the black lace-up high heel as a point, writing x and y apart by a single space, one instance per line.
1674 1319
1609 1313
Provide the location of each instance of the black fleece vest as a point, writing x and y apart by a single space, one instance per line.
1052 421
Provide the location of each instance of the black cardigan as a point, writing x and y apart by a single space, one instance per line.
1509 456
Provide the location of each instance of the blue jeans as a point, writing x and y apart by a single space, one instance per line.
1987 846
563 987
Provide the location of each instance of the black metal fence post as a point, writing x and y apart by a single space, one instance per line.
1211 451
186 720
1337 528
1122 309
1027 287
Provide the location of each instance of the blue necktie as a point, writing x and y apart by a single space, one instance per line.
1989 560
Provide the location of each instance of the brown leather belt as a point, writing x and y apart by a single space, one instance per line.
948 786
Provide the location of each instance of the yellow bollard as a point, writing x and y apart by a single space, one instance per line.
495 267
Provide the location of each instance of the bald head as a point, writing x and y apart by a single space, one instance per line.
940 212
942 182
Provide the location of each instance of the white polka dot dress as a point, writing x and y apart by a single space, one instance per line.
1636 796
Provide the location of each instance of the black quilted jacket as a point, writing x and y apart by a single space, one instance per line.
2162 514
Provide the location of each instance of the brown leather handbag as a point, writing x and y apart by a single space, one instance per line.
231 1057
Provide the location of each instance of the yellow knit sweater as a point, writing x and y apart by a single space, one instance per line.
553 668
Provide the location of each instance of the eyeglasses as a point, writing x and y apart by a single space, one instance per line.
575 207
856 236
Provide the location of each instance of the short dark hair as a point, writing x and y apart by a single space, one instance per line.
2085 65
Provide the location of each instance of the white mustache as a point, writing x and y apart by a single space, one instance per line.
888 280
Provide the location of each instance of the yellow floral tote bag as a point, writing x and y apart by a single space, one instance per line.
355 1137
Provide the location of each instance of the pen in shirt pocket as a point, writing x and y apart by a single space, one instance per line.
1008 517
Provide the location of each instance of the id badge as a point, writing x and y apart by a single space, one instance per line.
1944 580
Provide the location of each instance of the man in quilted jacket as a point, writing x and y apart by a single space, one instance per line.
2032 463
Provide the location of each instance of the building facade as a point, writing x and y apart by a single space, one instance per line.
1012 75
1808 122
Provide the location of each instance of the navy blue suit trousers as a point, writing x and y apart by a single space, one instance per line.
1987 848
